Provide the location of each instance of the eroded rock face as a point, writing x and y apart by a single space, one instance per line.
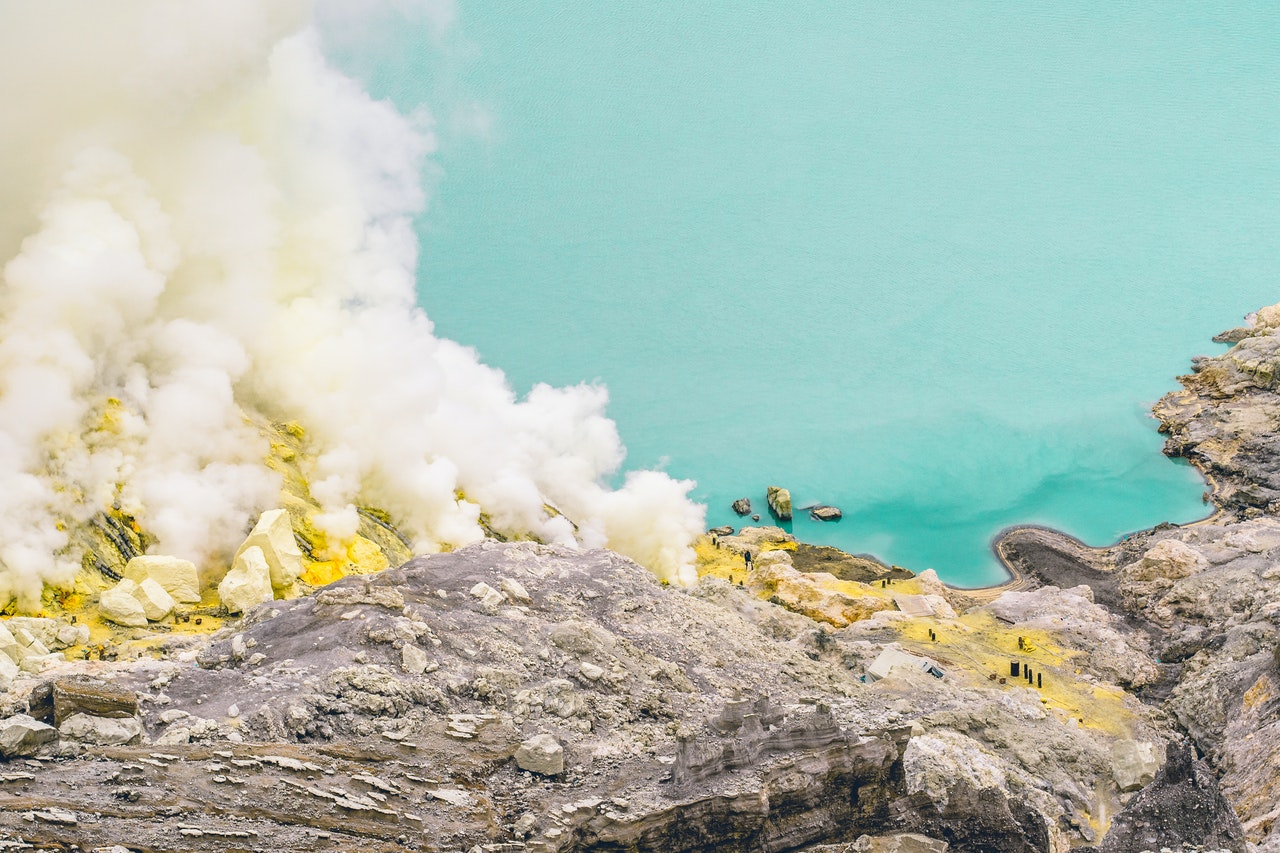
1182 805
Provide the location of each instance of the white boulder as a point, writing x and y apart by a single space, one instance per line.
23 735
248 584
119 605
541 754
101 731
413 660
178 577
8 671
273 534
156 603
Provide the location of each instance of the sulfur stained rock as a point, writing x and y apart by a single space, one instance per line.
178 577
248 584
1134 764
413 660
120 605
779 500
273 535
156 603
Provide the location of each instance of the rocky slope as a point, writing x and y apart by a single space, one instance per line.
514 696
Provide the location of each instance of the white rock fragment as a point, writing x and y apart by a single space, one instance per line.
8 671
178 577
590 671
1134 763
273 534
156 603
515 591
413 660
489 597
101 731
23 735
73 635
120 605
541 754
248 584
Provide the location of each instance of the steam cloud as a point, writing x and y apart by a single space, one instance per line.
202 218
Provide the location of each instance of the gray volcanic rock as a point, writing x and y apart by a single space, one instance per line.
742 506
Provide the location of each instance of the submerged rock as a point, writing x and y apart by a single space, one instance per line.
825 513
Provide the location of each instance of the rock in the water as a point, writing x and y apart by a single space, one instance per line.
1182 806
120 605
248 584
826 513
726 530
178 577
273 534
779 500
101 731
541 754
23 735
755 517
742 506
156 603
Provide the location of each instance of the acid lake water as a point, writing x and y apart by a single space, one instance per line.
931 263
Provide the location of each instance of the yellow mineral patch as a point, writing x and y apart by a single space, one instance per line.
1259 693
323 573
718 562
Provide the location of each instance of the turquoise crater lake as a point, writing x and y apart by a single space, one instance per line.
931 263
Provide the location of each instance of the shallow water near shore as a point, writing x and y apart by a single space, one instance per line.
929 264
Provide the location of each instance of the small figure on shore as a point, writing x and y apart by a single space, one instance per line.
746 555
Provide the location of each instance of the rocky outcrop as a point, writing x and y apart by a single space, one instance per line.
1181 806
779 500
742 506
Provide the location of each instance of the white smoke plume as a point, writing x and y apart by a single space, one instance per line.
202 219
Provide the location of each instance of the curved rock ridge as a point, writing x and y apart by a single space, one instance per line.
1206 596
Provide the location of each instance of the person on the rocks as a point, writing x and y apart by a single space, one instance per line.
746 555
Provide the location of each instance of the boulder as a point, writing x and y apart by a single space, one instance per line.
156 603
273 534
72 635
413 660
248 584
726 530
779 500
119 605
541 754
9 645
23 735
515 591
826 513
8 671
42 630
101 731
80 695
1134 764
1168 559
178 577
488 596
742 506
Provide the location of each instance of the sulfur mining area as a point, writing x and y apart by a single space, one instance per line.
515 695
